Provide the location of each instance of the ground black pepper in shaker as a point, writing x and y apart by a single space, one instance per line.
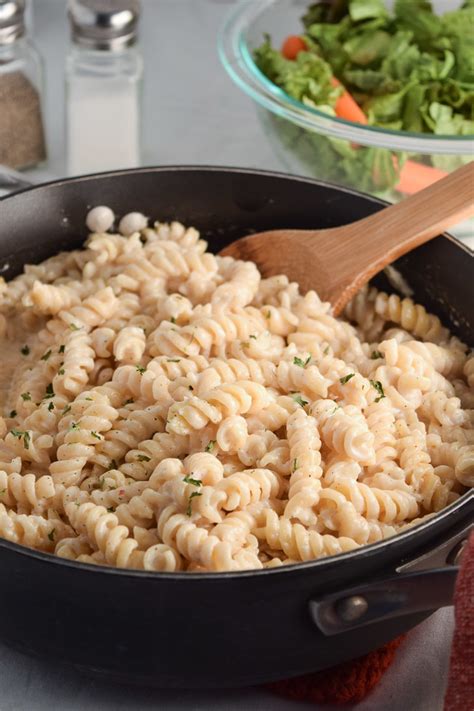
22 143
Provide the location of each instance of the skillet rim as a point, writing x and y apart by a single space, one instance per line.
222 169
368 550
365 551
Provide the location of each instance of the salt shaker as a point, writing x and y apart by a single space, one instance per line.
103 86
22 143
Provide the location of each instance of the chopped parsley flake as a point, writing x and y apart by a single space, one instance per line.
254 337
17 433
111 509
46 355
51 406
172 319
379 388
23 434
51 534
113 464
300 362
268 314
190 387
193 495
13 413
173 360
140 369
376 354
49 391
62 348
74 426
210 445
25 350
25 396
194 482
295 465
66 409
143 458
326 350
297 398
97 436
346 378
73 327
61 371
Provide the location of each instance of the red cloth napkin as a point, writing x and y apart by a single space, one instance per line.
460 693
352 681
349 682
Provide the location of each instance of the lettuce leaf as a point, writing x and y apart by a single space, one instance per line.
458 26
387 108
366 48
269 60
418 16
325 11
367 10
307 79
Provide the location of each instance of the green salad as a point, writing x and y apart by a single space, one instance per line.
410 70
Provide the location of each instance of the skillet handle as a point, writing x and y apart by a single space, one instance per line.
11 180
392 597
415 588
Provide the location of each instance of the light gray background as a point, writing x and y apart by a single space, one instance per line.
193 114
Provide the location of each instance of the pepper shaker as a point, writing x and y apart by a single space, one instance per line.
22 143
103 86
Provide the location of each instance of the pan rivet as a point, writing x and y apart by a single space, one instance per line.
352 608
455 556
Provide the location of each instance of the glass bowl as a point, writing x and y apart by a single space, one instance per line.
311 143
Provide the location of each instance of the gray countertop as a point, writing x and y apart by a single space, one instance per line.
194 115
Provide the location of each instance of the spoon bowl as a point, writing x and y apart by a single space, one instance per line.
337 262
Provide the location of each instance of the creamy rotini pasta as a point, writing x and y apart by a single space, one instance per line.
163 408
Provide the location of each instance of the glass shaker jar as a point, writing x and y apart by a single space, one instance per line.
103 86
22 143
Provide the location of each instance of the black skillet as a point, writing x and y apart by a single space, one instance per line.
198 630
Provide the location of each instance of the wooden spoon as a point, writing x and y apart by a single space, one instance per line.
337 262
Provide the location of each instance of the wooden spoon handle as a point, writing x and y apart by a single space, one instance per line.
402 227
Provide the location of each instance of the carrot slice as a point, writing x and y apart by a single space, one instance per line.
413 176
416 176
347 108
292 46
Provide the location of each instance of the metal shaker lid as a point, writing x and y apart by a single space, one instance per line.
12 20
104 24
